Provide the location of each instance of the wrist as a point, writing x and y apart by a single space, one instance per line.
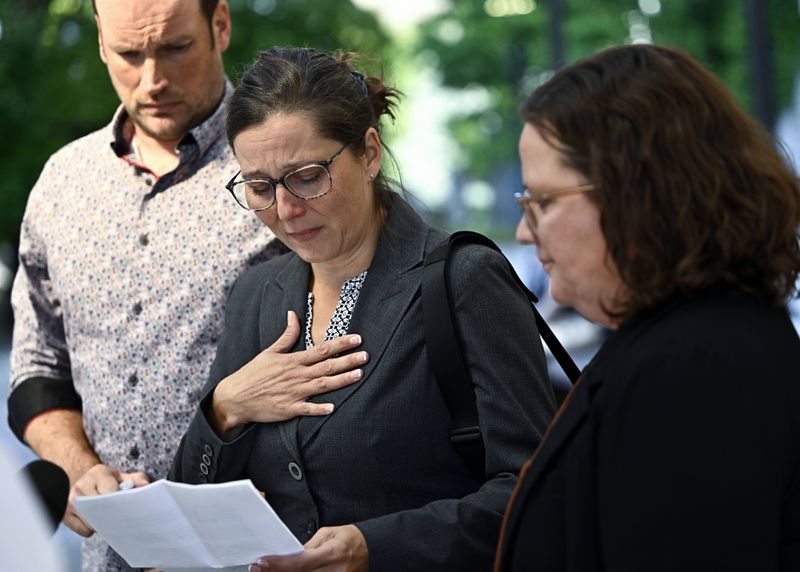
223 416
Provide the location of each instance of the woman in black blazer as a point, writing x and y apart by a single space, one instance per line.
660 209
333 411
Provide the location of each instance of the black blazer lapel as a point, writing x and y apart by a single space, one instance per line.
287 291
392 284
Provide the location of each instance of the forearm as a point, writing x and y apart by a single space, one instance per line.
58 436
448 534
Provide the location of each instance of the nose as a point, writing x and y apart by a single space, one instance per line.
288 205
153 79
524 234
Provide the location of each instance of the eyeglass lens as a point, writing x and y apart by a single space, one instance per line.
307 183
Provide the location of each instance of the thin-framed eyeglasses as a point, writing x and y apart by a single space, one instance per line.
525 198
307 182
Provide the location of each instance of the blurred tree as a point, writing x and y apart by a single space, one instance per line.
54 88
504 48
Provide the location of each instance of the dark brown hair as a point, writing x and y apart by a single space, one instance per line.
692 191
342 102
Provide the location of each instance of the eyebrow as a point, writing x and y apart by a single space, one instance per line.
122 46
288 169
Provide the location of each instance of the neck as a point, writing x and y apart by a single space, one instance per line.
332 274
158 155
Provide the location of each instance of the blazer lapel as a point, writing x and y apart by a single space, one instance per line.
287 291
391 285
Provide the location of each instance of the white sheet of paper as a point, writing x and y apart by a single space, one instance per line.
175 525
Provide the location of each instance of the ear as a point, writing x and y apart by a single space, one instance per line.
221 25
100 45
373 152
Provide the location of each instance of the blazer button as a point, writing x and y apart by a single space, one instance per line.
209 451
294 470
203 468
203 479
206 460
311 528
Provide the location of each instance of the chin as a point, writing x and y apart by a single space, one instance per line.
162 127
560 295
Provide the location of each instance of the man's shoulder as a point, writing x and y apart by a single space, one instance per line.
84 149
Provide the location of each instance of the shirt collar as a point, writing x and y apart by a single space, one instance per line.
203 135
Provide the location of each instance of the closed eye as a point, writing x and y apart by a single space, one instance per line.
178 48
259 187
130 55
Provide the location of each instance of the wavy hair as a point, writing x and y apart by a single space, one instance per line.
692 192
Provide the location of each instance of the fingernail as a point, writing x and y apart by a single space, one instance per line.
355 339
356 374
263 563
362 357
329 408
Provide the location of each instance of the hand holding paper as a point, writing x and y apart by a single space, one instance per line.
175 525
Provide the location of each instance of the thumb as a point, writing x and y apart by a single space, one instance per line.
289 336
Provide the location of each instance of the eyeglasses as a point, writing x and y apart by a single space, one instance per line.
525 198
307 182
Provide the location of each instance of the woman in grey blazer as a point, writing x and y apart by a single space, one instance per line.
321 392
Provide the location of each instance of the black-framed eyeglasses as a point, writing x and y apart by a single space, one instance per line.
307 182
525 198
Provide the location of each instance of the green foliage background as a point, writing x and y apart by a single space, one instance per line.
510 55
53 87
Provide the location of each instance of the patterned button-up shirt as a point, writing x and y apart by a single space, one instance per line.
120 293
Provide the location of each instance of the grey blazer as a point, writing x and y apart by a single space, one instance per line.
383 459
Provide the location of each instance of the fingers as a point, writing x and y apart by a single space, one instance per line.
330 348
331 370
139 479
73 520
289 336
331 548
98 480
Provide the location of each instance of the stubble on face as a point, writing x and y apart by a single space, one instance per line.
163 62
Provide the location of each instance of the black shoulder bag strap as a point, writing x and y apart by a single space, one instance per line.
444 350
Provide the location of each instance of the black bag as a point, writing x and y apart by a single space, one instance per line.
444 351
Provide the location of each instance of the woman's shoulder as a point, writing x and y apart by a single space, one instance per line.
256 276
716 336
722 316
469 259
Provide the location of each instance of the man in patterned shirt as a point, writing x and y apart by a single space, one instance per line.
128 248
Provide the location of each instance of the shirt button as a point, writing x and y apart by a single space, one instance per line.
148 181
143 240
133 380
311 528
134 452
294 470
137 308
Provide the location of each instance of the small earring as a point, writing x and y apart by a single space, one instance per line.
371 177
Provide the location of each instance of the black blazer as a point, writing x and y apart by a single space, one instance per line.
679 450
383 459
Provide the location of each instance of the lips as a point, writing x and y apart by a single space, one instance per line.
305 235
158 107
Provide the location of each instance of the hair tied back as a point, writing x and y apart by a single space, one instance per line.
361 81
